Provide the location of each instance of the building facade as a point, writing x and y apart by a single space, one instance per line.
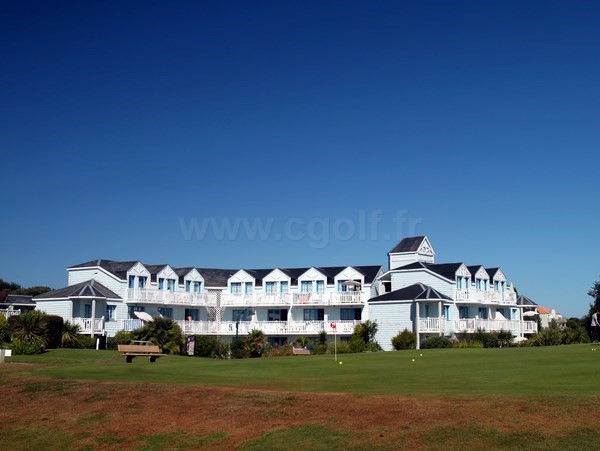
105 296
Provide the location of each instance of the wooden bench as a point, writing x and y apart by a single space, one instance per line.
130 352
300 351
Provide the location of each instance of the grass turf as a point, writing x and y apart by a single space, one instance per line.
560 370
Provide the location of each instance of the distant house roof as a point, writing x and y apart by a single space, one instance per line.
18 300
89 288
543 310
409 244
416 292
524 300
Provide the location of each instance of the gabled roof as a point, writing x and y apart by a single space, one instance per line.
215 277
416 292
446 270
474 268
409 244
89 288
119 269
524 300
492 272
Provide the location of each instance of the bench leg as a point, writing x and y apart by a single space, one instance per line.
153 358
129 358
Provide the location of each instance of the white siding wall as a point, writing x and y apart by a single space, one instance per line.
60 308
391 319
108 280
405 279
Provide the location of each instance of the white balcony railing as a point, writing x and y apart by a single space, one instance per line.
431 325
154 296
268 327
7 313
85 325
485 297
470 325
286 299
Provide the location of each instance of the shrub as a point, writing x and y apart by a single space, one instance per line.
86 342
121 338
206 346
404 340
23 346
343 347
357 344
436 341
237 349
302 342
54 330
320 349
4 330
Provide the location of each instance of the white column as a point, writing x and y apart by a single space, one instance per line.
93 317
418 346
441 316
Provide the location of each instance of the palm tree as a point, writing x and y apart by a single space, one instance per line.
29 326
69 338
255 342
163 332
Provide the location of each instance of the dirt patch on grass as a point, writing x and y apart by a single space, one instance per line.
98 415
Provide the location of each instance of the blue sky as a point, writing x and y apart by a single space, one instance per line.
142 130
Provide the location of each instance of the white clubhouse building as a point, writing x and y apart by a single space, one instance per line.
417 294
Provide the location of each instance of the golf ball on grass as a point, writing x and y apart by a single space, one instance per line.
413 360
340 363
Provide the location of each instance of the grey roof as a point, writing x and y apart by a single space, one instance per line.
416 292
89 288
492 272
474 268
447 270
119 269
18 299
409 244
215 277
524 300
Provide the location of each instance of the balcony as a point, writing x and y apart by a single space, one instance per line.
470 325
268 327
427 325
85 325
8 313
485 297
165 297
287 299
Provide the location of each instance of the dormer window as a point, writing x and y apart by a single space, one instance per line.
188 285
283 286
478 284
320 286
197 287
161 283
236 288
131 281
306 286
496 285
248 287
142 281
270 287
459 283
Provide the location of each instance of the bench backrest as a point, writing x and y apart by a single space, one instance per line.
150 349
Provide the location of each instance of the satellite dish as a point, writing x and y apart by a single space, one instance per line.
144 316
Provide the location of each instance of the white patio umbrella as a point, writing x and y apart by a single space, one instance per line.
530 313
146 317
354 283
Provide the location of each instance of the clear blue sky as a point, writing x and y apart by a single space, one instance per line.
137 130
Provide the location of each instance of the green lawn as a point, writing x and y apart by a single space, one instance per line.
560 370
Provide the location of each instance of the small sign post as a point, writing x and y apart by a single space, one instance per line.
334 327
